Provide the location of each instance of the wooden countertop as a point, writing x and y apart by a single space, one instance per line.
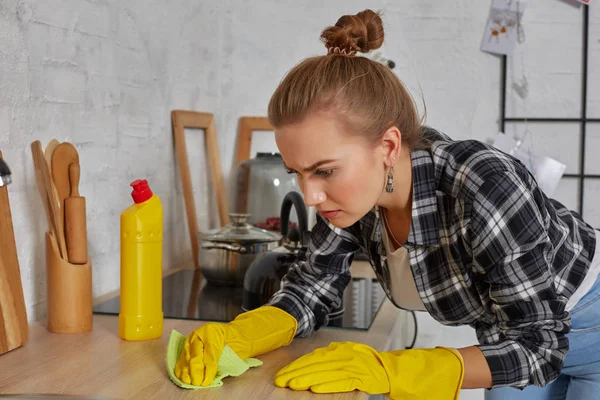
100 363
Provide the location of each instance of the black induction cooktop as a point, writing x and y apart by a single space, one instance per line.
186 295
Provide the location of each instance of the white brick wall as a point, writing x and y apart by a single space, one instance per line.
104 74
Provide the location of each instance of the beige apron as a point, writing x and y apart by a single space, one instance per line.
402 284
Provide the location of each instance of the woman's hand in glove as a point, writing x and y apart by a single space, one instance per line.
347 366
250 334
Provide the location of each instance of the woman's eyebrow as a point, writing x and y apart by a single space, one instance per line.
313 166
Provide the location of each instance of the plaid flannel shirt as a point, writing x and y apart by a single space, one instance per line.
487 249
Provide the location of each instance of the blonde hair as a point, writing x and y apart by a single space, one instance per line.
367 94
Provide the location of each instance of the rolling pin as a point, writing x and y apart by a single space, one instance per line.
75 220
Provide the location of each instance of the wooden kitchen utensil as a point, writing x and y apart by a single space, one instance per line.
41 187
75 220
14 328
48 151
50 147
69 292
53 210
64 155
182 119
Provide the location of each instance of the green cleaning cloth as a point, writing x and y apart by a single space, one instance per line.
230 364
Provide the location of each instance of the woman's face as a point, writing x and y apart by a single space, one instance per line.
341 174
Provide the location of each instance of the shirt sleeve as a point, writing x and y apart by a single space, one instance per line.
524 342
314 284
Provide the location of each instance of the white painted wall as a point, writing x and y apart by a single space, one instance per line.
104 75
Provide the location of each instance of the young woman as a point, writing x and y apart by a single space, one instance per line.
454 228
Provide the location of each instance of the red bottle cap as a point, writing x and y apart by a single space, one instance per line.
141 191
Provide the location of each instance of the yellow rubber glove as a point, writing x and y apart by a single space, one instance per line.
416 374
251 333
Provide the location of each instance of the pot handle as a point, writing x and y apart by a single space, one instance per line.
238 248
293 198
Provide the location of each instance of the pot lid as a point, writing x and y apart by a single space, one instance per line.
239 231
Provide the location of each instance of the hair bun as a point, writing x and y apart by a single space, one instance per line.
361 32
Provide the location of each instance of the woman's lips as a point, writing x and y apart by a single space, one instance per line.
329 214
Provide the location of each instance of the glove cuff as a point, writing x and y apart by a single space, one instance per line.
458 365
424 373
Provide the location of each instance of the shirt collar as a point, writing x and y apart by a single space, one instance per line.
425 220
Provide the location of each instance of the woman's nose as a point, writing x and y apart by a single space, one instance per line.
313 195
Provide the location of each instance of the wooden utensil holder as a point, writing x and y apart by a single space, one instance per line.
69 289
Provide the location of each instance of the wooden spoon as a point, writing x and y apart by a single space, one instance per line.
64 154
50 147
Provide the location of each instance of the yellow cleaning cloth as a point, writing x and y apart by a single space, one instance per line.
230 364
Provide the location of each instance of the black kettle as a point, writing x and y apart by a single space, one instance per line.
263 277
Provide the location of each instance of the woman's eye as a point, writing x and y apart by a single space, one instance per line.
324 172
291 171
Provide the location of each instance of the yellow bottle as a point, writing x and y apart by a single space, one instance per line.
141 315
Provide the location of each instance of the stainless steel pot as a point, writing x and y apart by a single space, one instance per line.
226 253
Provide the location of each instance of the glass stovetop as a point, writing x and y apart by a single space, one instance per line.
187 296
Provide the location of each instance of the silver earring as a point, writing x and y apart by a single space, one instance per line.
389 187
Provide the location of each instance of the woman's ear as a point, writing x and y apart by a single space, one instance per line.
391 142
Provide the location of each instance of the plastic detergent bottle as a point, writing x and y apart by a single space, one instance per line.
141 314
